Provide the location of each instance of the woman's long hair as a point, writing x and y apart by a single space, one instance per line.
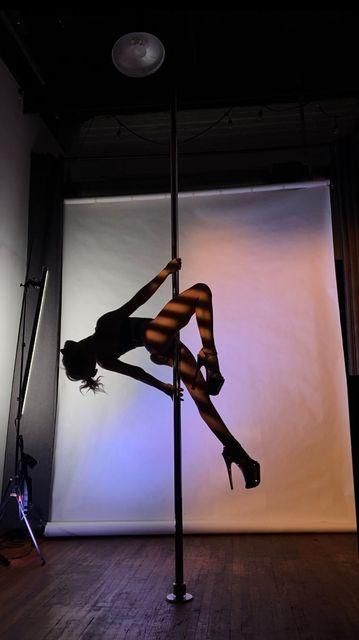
76 365
92 383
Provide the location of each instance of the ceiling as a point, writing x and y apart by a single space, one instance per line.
62 58
289 75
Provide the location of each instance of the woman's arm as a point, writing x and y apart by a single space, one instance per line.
138 374
150 288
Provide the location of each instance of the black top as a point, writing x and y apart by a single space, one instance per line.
117 337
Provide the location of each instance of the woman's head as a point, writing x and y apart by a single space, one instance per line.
80 364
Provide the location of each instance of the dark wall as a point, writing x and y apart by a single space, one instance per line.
95 176
345 207
345 204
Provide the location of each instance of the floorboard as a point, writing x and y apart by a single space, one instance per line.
250 587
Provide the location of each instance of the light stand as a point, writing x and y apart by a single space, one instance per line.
20 485
139 55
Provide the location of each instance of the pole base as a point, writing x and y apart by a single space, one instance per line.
179 594
176 600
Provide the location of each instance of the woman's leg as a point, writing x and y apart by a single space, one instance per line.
187 368
159 336
233 452
176 314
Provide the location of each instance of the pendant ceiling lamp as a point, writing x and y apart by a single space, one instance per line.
138 54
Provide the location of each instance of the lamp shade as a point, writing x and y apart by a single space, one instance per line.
138 54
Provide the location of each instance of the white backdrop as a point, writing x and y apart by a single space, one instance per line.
267 255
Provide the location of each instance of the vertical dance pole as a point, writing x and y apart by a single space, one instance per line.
140 54
179 586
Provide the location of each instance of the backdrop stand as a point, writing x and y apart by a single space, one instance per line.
20 486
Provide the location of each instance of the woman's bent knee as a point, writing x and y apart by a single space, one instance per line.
202 286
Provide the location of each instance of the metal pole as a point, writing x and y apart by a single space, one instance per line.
179 586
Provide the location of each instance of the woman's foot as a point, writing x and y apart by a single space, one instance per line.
250 468
214 378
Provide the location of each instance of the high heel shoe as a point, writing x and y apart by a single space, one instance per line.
214 378
250 468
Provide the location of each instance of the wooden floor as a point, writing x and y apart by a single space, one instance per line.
250 587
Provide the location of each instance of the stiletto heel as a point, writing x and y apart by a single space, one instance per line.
214 378
250 468
198 366
229 469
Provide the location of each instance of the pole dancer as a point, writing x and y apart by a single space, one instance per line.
117 333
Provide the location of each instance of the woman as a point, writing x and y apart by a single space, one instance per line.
116 333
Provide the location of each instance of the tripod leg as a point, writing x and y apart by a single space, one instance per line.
4 562
19 501
6 496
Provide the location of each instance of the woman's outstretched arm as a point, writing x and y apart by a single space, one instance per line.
150 288
138 374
